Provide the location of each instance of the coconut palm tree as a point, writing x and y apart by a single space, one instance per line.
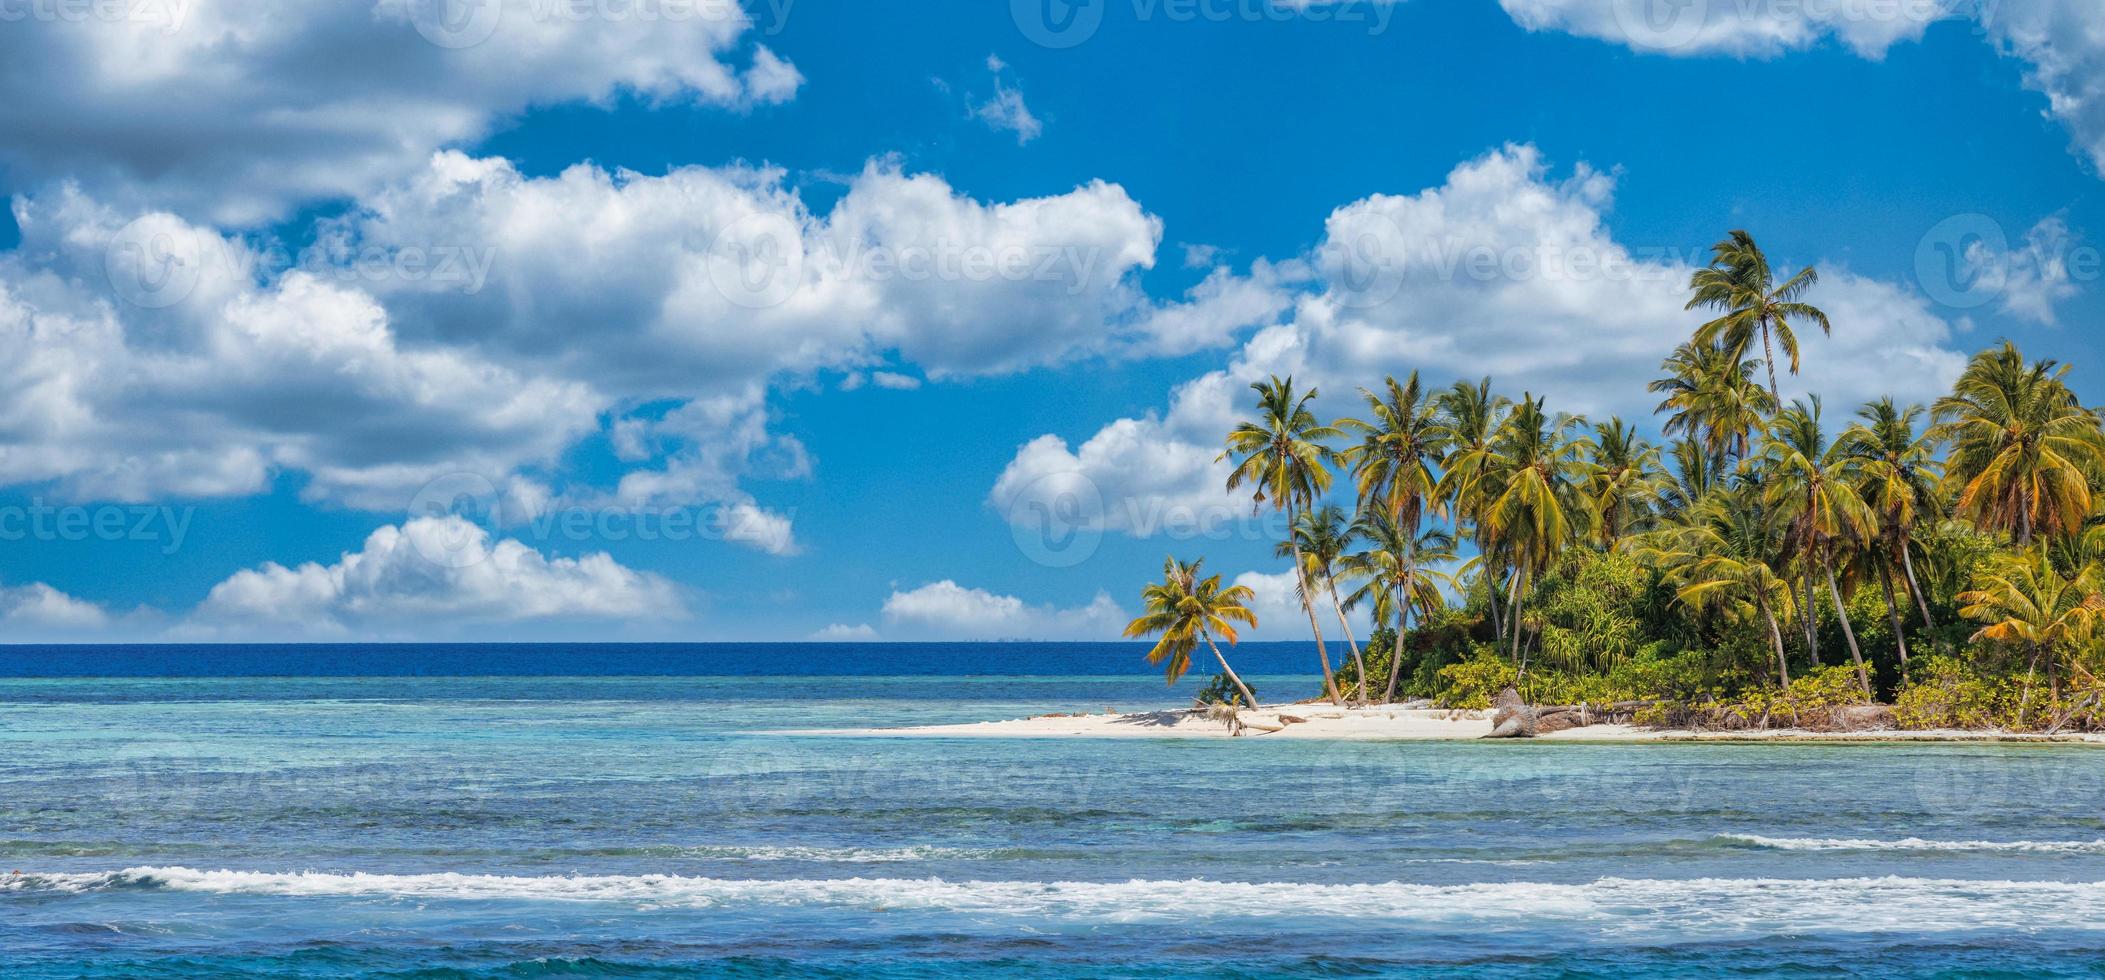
1402 440
1897 473
1185 609
1282 455
1471 416
2024 453
2029 604
1739 285
1323 534
1809 486
1719 555
1711 395
1535 506
1695 474
1392 578
1623 480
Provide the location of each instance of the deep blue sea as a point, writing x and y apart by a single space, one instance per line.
640 811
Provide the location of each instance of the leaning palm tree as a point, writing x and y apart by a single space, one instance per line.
1623 480
1322 535
1535 506
1808 484
1740 286
1711 395
1897 478
2028 603
1185 609
1393 580
1282 454
2024 454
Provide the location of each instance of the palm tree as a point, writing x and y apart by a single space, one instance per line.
1739 285
2029 603
1623 480
1696 474
1897 478
1323 534
1718 554
1470 417
1392 579
1399 445
1712 396
2024 452
1186 609
1535 507
1809 487
1283 455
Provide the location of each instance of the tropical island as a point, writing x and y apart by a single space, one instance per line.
1930 569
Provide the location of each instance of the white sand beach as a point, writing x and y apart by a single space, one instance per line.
1322 721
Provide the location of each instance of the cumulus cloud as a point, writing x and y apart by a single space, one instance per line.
1502 270
2058 41
38 608
843 633
949 611
238 110
430 574
240 378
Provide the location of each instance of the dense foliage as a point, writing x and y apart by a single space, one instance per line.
1765 564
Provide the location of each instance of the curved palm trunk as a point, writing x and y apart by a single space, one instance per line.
1907 562
1834 591
1248 698
1900 642
1810 612
2024 703
1345 626
1783 666
1403 622
1330 683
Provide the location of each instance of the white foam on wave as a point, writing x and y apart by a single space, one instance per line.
845 855
1716 907
1918 844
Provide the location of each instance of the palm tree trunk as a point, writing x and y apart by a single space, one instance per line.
1768 360
1519 582
1498 622
2025 703
1346 626
1811 613
1907 561
1403 623
1330 684
1900 642
1834 591
1783 666
1248 698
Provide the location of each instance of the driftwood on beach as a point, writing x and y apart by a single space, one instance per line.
1513 717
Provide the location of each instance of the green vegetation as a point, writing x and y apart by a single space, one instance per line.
1765 565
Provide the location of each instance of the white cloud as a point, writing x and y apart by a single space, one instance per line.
1500 271
947 610
2060 42
1005 109
240 378
2029 280
237 110
843 633
426 576
38 608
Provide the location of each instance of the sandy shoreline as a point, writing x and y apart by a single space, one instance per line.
1387 723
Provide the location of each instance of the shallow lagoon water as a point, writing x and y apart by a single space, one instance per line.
666 826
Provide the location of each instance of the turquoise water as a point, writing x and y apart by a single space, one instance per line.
663 826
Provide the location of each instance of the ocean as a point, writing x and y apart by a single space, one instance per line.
648 811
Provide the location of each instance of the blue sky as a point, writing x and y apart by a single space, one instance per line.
363 323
